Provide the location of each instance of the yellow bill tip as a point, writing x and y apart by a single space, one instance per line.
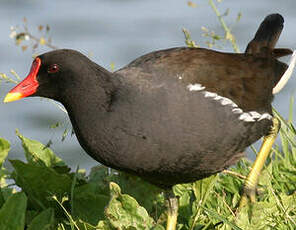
12 97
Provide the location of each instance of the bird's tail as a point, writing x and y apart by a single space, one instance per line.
266 38
263 45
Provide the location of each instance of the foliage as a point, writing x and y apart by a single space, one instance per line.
25 39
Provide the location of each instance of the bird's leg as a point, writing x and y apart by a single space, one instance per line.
172 203
252 179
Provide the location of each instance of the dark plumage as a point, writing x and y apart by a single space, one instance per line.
155 119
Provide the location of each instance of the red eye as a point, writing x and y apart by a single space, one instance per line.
53 68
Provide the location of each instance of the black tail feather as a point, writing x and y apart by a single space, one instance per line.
266 38
281 52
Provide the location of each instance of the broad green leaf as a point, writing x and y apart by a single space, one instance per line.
37 153
89 204
230 184
4 149
12 214
40 182
44 221
124 212
202 188
146 194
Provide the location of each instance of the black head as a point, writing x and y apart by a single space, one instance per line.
56 74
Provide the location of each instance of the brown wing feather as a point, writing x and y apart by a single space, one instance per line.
247 80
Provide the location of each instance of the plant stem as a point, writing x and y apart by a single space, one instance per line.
228 35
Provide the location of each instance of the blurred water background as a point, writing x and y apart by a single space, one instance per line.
116 31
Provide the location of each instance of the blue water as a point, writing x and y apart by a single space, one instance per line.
115 31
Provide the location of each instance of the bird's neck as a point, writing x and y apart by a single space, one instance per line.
93 94
88 107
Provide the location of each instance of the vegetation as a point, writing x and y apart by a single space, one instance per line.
43 193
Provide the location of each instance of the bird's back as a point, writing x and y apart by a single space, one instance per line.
246 79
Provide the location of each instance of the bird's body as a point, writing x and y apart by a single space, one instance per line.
150 120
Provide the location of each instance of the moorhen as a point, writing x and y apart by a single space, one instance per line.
171 116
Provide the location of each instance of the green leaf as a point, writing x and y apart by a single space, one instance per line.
89 204
146 194
185 194
265 175
4 149
44 221
221 218
2 201
202 188
103 225
7 192
40 182
158 227
265 214
37 153
124 212
99 175
12 214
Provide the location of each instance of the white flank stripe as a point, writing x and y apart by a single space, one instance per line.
255 114
251 116
217 98
246 117
195 87
265 116
227 101
210 94
237 110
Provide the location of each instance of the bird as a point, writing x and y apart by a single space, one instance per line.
170 116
